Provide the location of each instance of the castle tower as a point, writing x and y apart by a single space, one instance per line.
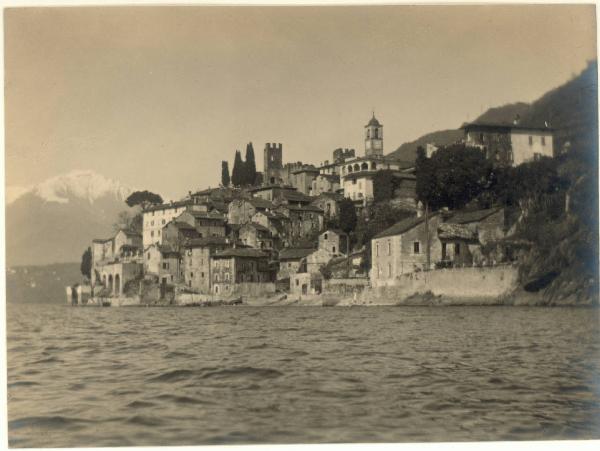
373 138
272 163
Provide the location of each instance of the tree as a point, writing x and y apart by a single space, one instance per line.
237 173
86 263
249 166
347 215
143 199
225 179
452 177
384 184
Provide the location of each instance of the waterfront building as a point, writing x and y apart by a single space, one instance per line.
124 246
242 271
196 262
510 144
402 248
290 260
305 283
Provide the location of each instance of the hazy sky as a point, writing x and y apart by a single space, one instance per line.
156 97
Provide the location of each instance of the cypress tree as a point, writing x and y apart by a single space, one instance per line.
249 166
225 179
237 173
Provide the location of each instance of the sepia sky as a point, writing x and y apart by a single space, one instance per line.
156 97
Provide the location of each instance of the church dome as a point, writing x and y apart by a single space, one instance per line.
373 122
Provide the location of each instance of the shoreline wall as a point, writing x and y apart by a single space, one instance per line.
476 285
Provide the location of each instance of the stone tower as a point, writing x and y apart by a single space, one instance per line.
272 163
373 138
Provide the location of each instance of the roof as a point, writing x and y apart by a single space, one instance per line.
101 240
463 217
206 215
271 186
130 232
373 122
451 231
167 249
296 196
506 126
330 177
293 253
207 241
241 252
182 225
368 174
257 226
181 203
401 227
257 202
338 231
302 208
307 168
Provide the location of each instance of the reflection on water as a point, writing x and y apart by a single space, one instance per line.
188 376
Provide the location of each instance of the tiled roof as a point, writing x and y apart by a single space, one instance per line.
307 168
207 241
167 249
373 122
182 225
181 203
257 202
451 231
303 208
293 253
463 217
402 226
296 196
241 252
506 126
206 215
256 226
337 231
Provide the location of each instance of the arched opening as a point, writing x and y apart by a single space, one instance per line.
104 279
373 165
110 283
356 167
349 168
117 284
364 166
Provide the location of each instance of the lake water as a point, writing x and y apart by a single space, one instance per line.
223 375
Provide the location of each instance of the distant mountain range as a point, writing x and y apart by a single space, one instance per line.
55 221
571 110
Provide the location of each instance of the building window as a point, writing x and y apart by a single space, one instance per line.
325 235
165 265
416 247
531 140
148 255
389 248
152 233
191 274
202 275
481 138
389 270
543 140
456 248
333 249
163 222
297 282
377 249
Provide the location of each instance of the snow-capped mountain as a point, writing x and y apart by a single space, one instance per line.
80 184
55 221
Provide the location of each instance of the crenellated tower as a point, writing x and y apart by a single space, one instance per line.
272 163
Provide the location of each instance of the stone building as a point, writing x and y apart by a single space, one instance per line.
402 249
241 211
196 262
272 163
157 216
290 260
334 241
306 284
303 221
510 144
176 232
242 271
275 222
325 183
256 236
209 223
329 204
170 271
374 138
316 260
303 179
124 247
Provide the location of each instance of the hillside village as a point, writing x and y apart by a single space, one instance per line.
291 232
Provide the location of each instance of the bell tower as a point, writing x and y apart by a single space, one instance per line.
373 138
